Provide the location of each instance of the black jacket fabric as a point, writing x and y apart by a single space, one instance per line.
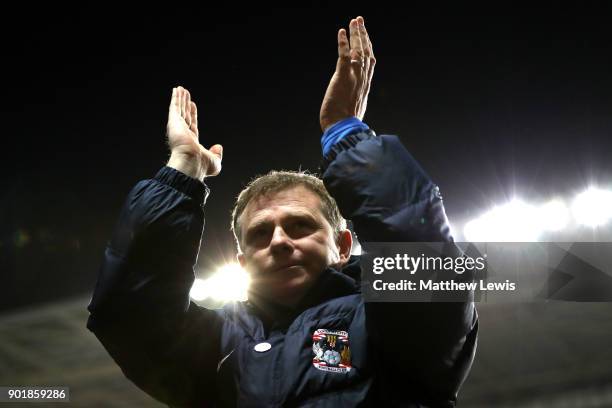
401 354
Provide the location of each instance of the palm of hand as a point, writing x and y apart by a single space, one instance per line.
180 136
187 154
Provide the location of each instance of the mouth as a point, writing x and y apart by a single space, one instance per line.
286 268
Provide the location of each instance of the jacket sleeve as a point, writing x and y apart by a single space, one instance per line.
426 348
140 309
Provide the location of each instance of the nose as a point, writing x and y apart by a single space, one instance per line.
281 243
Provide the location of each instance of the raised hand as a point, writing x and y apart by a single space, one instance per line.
187 154
347 92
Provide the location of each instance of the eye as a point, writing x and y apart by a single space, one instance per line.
257 235
302 226
259 232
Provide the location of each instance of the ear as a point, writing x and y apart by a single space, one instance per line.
345 244
241 259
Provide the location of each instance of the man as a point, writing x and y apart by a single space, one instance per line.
305 337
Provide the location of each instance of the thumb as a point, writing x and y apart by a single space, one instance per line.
217 150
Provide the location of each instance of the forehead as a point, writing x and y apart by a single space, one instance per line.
293 200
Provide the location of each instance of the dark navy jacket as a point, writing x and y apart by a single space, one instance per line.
403 354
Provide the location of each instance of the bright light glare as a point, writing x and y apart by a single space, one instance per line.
593 207
553 216
512 222
229 283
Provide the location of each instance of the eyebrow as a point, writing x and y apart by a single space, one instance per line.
297 214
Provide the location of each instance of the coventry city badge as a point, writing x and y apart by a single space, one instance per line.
331 351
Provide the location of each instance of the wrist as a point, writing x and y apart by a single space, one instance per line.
186 164
329 121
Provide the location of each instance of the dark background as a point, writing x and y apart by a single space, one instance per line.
493 103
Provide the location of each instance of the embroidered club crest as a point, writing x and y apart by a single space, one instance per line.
331 351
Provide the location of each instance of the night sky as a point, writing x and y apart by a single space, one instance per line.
492 104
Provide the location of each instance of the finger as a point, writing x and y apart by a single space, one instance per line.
188 108
215 155
365 39
217 150
371 72
368 84
371 68
344 51
194 118
179 100
356 48
183 100
369 52
368 43
174 103
364 43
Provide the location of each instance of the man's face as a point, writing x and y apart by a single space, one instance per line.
286 244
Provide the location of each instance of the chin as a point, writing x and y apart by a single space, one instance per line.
285 291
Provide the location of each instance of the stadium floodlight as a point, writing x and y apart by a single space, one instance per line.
515 221
593 207
229 283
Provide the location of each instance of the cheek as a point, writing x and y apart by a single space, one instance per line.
324 247
252 260
333 252
333 255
